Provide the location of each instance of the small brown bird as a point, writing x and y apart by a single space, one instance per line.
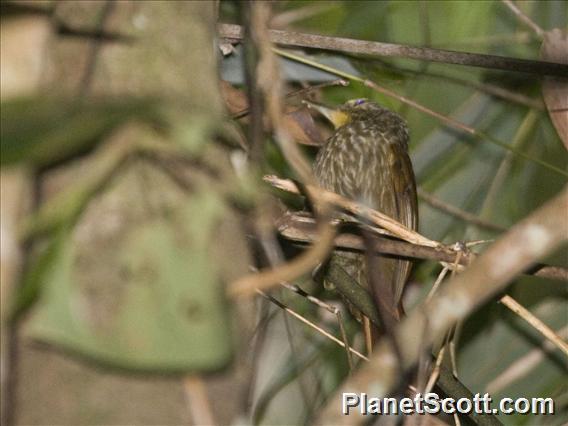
366 160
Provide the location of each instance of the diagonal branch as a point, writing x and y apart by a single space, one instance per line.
529 240
457 212
524 18
270 85
357 209
302 229
311 324
375 48
541 327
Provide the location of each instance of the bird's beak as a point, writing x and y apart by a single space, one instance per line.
337 117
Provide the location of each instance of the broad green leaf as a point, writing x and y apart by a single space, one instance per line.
65 207
192 131
42 131
517 366
292 369
150 296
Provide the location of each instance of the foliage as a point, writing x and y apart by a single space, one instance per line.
143 289
458 169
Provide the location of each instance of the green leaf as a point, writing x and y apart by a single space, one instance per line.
294 367
43 131
166 311
516 364
42 269
192 131
64 208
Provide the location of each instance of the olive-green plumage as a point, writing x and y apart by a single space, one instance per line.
366 160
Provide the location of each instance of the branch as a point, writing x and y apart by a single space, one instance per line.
271 86
322 196
302 229
360 298
374 48
525 364
524 18
541 327
529 240
311 325
490 89
457 212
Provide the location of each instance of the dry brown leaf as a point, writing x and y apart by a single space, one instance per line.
555 89
298 122
302 127
235 99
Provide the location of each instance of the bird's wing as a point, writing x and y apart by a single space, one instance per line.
406 206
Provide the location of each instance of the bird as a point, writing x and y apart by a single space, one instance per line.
366 160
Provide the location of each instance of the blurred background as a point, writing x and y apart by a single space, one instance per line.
128 204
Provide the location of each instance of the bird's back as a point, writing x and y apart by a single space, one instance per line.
367 161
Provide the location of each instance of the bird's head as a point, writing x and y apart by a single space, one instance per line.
354 109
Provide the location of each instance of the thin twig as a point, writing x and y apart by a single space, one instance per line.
453 343
524 18
437 283
436 370
368 335
425 23
524 365
477 243
295 355
374 48
357 209
490 89
453 334
457 212
271 85
345 339
541 327
457 420
94 49
198 401
332 309
497 181
311 324
532 238
304 90
302 229
294 288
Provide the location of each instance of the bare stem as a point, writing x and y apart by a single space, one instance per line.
271 86
542 328
301 228
311 324
524 18
532 238
457 212
198 401
357 209
374 48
